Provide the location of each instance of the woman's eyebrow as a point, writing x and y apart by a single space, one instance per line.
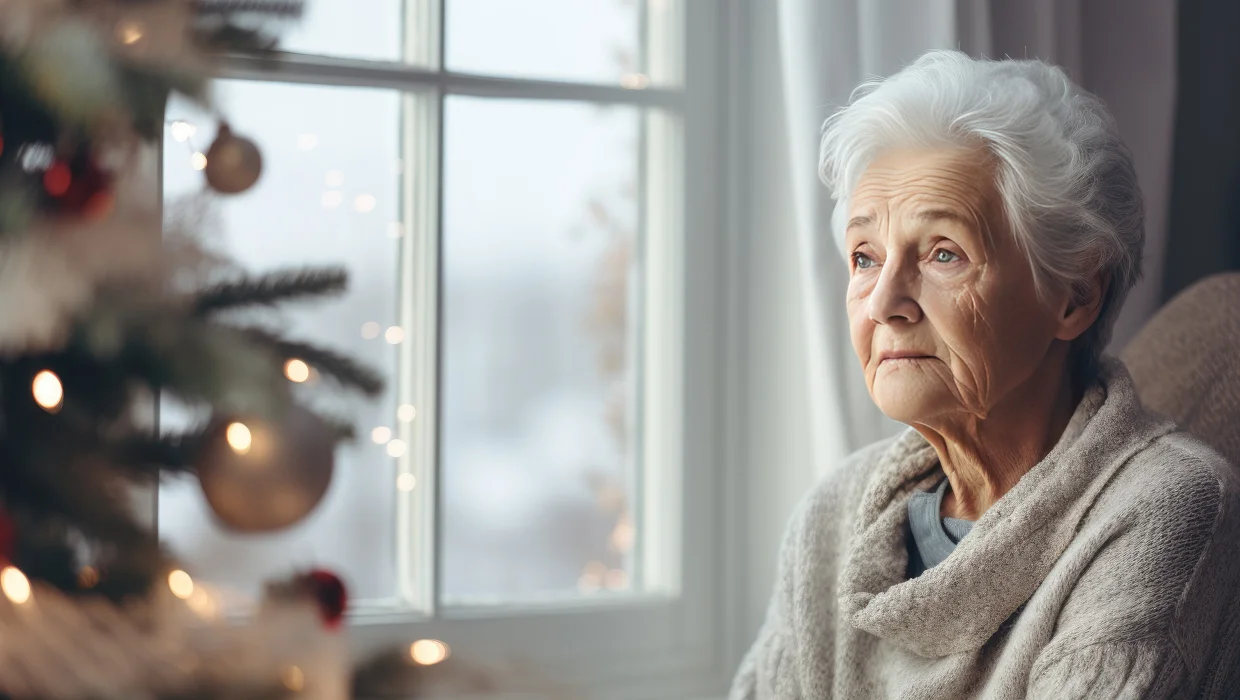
861 221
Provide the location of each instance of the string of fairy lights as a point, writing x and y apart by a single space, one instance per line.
48 392
296 370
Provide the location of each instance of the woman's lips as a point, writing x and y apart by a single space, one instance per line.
901 358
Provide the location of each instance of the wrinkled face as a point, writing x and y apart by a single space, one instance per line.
942 307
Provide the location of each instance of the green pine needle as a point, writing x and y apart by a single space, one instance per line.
343 369
270 289
152 455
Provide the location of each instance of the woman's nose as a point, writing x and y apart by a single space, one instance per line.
892 300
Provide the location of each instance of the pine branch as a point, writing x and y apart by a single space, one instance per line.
228 25
339 367
151 455
229 37
270 289
203 362
342 429
272 8
82 495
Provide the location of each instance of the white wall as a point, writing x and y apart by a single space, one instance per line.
1128 59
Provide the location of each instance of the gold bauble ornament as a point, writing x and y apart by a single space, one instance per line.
259 476
234 163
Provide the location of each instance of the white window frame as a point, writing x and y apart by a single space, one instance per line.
677 638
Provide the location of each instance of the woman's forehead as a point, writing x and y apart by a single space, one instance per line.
926 185
948 176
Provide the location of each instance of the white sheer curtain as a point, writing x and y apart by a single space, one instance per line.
808 404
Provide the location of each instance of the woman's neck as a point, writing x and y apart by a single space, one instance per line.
984 456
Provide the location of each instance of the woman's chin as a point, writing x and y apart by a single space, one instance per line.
908 400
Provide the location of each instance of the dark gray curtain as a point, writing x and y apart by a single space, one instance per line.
1204 235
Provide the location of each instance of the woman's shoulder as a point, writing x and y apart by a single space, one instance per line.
1169 523
1177 478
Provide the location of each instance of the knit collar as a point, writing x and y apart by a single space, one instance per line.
959 604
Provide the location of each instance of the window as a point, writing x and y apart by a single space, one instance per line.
532 267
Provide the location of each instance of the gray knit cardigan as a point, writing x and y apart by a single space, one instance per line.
1109 571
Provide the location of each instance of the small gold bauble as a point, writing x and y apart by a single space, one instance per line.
234 163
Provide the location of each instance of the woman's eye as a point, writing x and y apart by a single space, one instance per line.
943 255
861 261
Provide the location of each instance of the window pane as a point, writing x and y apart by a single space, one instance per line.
573 40
328 195
336 28
538 372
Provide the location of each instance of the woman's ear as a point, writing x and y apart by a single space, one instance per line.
1080 314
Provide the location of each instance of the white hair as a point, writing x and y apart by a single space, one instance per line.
1067 181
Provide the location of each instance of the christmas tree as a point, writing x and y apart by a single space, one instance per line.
102 313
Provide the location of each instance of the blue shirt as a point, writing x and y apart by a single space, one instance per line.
932 538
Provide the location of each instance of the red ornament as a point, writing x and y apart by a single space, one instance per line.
56 179
79 187
329 591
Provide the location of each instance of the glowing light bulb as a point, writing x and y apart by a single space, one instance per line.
15 585
203 603
370 330
293 679
364 203
396 448
616 579
332 199
182 130
296 370
239 438
635 81
591 579
129 32
181 585
47 390
622 536
589 583
406 482
381 435
88 576
36 157
307 142
334 178
428 652
394 335
198 161
406 413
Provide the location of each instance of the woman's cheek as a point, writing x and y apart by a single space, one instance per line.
854 301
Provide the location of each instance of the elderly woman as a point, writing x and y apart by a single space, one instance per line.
1035 532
